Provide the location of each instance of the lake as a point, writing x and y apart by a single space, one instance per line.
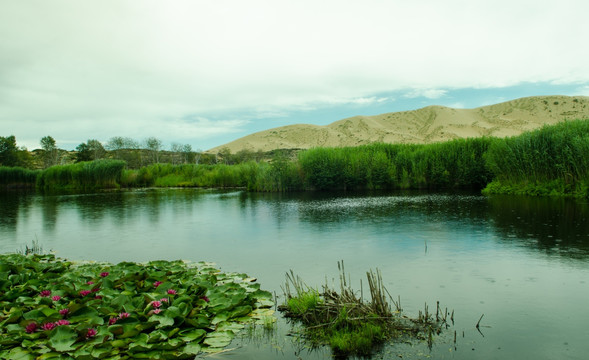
522 262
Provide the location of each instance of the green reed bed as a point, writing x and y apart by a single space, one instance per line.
51 308
448 165
83 176
17 177
553 160
280 175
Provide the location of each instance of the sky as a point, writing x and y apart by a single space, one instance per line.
206 72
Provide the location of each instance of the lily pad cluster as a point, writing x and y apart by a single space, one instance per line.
54 308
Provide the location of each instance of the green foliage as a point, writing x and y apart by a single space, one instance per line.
448 165
50 151
553 160
81 176
303 303
53 308
90 150
8 151
17 177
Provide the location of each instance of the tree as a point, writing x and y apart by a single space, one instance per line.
123 149
188 154
51 153
8 151
83 153
154 145
176 149
96 148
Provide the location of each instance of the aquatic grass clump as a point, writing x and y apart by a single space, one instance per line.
349 325
54 308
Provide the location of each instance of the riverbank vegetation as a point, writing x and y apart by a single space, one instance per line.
553 160
54 308
347 323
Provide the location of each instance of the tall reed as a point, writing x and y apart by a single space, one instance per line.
11 177
83 176
551 160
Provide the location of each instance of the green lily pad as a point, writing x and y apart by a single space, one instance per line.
62 339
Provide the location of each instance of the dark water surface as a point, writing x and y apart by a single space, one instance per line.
522 262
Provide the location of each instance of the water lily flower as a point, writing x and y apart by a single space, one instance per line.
84 292
56 298
91 333
45 293
157 283
157 311
172 292
156 304
98 297
164 300
89 282
112 320
124 315
104 274
30 328
96 289
48 326
64 312
62 322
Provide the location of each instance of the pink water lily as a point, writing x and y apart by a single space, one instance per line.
62 322
157 311
89 282
84 292
157 283
124 315
166 300
45 293
104 274
112 320
56 298
156 304
31 328
64 312
172 292
91 333
48 326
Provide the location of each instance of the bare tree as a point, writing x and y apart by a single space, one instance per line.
154 145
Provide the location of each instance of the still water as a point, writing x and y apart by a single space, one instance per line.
522 262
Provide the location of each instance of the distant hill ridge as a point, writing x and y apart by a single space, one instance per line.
425 125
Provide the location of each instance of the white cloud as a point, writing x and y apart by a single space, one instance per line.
426 93
116 67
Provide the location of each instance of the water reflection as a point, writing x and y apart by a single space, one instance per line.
552 226
473 253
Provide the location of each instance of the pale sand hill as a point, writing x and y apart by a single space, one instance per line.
426 125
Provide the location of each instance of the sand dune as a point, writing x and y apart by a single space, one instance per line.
426 125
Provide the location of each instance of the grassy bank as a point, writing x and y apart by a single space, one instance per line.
448 165
17 177
83 176
551 161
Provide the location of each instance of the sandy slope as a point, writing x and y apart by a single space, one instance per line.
426 125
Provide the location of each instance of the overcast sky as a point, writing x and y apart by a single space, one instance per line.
207 72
